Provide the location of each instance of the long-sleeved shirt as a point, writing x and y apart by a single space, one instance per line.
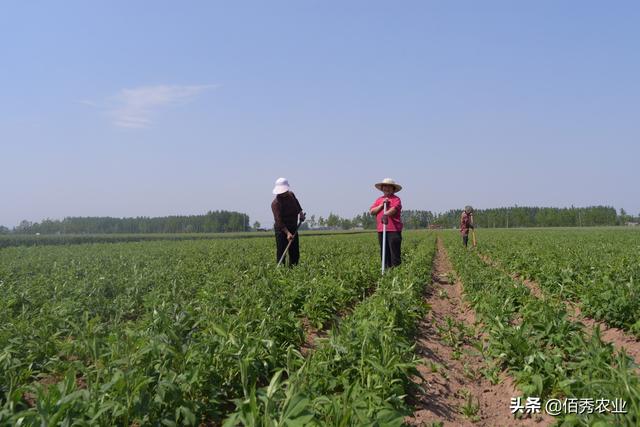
395 220
286 209
465 222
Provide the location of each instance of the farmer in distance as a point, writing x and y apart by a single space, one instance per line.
466 223
391 219
286 210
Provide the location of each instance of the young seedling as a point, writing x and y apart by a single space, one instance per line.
492 374
470 408
444 374
469 372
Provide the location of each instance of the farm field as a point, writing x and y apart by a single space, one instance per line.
597 268
538 341
209 332
9 240
194 332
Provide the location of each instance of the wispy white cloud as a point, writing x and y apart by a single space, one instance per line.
135 108
88 103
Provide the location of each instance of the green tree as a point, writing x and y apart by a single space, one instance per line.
623 216
333 221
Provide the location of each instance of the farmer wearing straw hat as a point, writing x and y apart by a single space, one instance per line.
390 218
286 210
466 223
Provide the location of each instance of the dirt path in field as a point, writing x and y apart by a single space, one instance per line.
615 336
452 372
533 286
312 335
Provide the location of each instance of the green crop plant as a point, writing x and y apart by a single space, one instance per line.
361 373
470 408
182 332
598 268
548 354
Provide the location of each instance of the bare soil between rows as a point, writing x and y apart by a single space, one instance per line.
451 378
617 337
312 335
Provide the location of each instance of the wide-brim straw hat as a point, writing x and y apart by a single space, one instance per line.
282 186
388 181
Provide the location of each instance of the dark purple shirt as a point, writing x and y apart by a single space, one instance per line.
465 221
286 209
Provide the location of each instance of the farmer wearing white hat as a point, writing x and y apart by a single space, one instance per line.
390 218
286 211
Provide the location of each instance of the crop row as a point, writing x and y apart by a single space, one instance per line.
599 268
10 240
535 340
360 374
161 332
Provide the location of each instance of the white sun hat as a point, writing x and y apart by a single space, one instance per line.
282 186
389 181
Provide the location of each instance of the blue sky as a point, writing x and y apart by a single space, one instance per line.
159 108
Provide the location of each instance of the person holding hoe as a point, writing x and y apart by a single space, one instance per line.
466 223
387 209
286 211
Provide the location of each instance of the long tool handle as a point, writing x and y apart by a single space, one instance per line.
284 254
384 236
473 236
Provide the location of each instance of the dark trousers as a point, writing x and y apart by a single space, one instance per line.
394 241
465 239
294 249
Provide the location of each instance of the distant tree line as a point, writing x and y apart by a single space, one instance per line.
211 222
522 216
517 216
224 221
412 219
